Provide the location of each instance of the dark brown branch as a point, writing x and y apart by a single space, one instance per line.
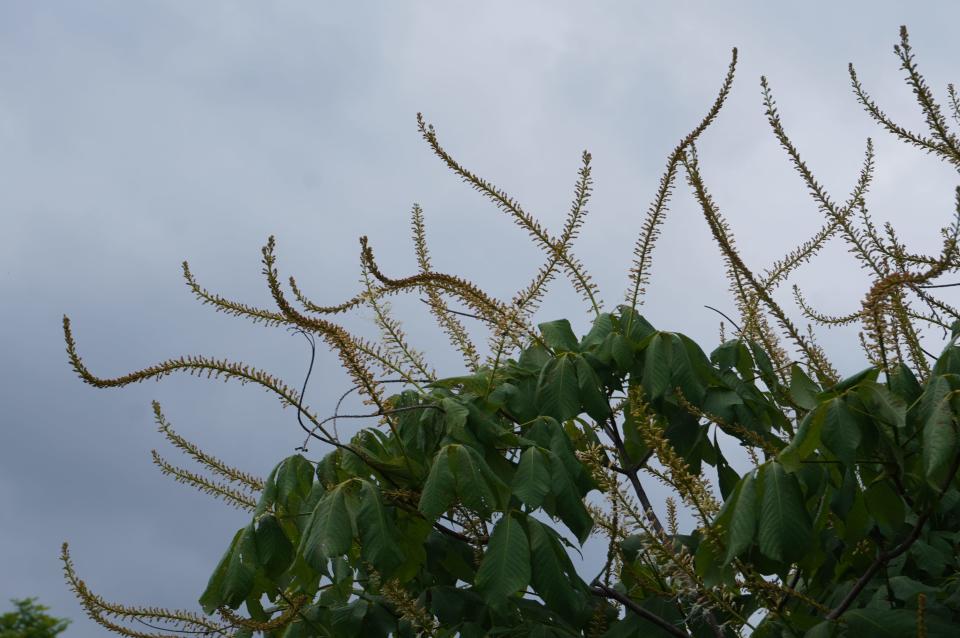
884 557
631 473
608 592
732 322
453 312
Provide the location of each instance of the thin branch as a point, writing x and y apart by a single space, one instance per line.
884 557
608 592
732 322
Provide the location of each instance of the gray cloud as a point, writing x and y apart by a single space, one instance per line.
135 135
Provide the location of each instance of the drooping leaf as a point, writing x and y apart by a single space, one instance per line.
330 530
559 336
881 623
803 390
531 483
885 505
601 329
785 531
294 479
377 529
622 352
868 374
553 576
439 490
742 524
233 578
274 550
476 485
633 325
569 505
887 409
557 389
505 568
805 441
840 432
657 366
590 392
939 439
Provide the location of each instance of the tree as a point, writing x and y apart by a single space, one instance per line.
30 620
455 513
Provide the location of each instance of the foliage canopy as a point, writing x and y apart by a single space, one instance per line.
30 620
457 512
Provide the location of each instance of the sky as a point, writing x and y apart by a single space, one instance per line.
134 136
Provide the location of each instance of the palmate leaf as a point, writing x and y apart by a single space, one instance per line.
532 483
805 441
840 432
232 580
553 575
803 389
477 485
569 505
939 441
440 490
505 568
657 365
559 336
330 530
377 530
558 390
274 549
600 330
741 523
590 392
785 531
459 472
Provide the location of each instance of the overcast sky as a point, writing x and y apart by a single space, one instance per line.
134 135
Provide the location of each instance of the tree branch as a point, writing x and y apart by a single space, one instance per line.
608 592
884 557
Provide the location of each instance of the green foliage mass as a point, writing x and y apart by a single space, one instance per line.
30 620
457 512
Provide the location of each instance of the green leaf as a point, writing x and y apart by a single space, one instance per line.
559 336
557 389
232 580
377 530
601 329
869 374
622 352
885 506
785 531
633 325
294 480
531 483
904 384
742 526
477 486
274 549
887 409
881 623
552 573
767 373
505 568
569 505
657 365
455 416
840 432
805 441
590 393
330 530
803 390
439 490
939 439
